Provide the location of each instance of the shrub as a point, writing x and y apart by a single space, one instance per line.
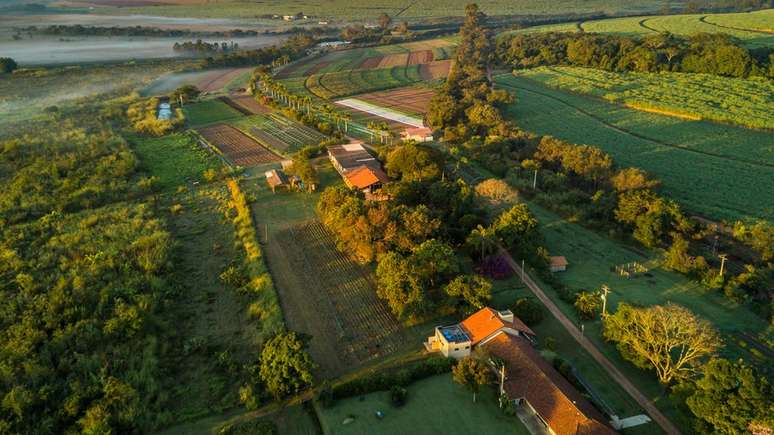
384 381
398 395
176 208
210 175
495 267
528 310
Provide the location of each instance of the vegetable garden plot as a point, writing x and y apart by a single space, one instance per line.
279 133
237 147
345 83
334 300
246 104
412 100
435 70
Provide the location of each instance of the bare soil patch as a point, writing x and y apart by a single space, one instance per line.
219 79
371 62
239 148
420 57
414 100
394 60
435 70
245 104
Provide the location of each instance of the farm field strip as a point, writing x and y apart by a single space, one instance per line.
209 112
346 83
752 28
237 147
351 325
381 112
693 168
245 104
412 100
279 133
745 102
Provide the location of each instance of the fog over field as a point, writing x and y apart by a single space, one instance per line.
47 50
194 24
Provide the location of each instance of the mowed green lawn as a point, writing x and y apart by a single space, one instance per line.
434 405
209 112
714 170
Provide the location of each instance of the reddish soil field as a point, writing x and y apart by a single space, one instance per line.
219 79
238 148
394 60
420 57
438 69
411 99
245 104
371 62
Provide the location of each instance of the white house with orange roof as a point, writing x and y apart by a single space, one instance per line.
458 341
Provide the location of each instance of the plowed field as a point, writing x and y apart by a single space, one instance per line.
238 148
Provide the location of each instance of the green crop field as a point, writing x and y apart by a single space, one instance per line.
345 83
208 112
745 102
341 9
715 170
176 159
279 133
433 405
753 28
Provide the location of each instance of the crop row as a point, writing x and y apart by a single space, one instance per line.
336 85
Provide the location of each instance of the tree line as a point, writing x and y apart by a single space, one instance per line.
717 54
204 47
293 48
81 30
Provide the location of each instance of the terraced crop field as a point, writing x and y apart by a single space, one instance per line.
717 171
345 83
334 300
279 133
209 112
237 147
744 102
755 29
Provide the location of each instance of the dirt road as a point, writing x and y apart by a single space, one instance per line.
614 373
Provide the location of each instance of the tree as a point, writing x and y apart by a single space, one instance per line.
7 65
471 373
412 162
403 28
384 21
185 94
517 226
473 289
496 190
587 305
285 366
730 397
632 179
397 285
433 261
667 338
482 240
528 310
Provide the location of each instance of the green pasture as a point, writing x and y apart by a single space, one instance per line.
744 102
177 159
368 11
209 112
752 28
718 171
433 405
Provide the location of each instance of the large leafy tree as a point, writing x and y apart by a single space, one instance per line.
285 366
471 373
475 290
412 162
730 398
669 338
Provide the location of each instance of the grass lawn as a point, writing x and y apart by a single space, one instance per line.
208 112
176 159
434 405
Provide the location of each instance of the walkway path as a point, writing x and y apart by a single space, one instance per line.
619 377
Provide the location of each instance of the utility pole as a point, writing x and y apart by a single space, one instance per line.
534 180
723 258
605 291
522 270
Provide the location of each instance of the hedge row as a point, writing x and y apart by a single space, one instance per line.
373 382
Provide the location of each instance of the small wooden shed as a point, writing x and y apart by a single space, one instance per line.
558 264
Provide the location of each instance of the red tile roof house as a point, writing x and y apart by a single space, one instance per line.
359 169
545 401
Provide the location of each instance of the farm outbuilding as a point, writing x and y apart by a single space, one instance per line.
276 178
558 264
419 134
359 169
